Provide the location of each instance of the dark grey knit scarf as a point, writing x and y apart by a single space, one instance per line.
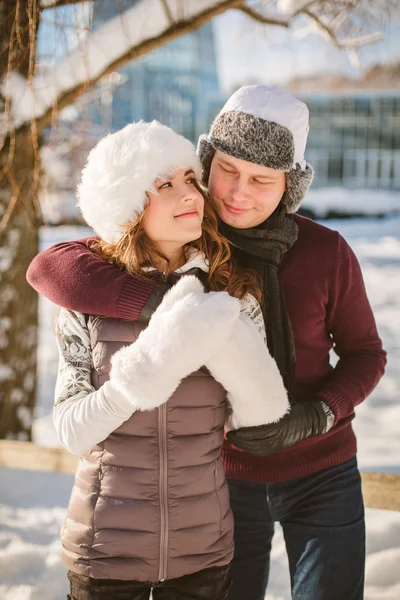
260 248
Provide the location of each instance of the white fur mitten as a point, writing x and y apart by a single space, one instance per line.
251 377
187 328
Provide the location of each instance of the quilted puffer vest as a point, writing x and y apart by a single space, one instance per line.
151 502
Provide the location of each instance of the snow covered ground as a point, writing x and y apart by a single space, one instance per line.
32 504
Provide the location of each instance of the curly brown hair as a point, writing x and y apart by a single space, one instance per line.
135 251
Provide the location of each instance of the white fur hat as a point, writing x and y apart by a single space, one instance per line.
122 167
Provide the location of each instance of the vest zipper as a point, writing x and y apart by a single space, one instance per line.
163 490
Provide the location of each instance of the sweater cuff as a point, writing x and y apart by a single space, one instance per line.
337 402
133 298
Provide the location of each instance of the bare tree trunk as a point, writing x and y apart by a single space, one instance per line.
19 221
18 301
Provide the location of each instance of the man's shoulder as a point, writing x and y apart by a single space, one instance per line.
316 235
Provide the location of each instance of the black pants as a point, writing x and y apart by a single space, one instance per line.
209 584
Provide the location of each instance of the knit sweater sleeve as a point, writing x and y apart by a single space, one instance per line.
352 327
71 276
82 416
251 307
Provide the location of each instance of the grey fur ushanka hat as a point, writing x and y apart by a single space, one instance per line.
267 126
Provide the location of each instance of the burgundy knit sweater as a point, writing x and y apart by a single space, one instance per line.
327 305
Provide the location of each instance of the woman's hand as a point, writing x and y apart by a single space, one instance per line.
187 328
251 377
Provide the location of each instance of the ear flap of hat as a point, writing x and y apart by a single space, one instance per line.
205 152
297 183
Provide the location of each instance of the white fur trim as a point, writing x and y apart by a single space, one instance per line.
187 328
271 103
122 167
251 377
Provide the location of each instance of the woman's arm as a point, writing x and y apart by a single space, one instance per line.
70 275
248 372
251 307
187 327
83 416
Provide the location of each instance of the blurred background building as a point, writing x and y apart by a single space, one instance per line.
354 139
175 84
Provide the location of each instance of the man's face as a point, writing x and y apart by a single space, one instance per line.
244 194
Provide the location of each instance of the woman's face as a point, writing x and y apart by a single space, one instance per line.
174 215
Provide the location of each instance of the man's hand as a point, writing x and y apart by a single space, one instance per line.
304 420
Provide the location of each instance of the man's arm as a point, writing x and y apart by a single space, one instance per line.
71 276
361 364
352 326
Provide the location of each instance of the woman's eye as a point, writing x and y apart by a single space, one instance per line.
165 185
192 180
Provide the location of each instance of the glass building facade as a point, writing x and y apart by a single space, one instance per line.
354 139
174 84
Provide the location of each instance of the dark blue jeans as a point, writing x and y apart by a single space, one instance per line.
322 516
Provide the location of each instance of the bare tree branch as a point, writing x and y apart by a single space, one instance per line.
303 6
264 19
167 11
326 16
56 3
173 32
13 201
345 44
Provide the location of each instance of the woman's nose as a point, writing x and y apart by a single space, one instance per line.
189 192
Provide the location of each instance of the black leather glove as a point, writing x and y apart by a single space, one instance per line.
304 420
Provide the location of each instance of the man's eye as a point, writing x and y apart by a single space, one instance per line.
226 170
262 182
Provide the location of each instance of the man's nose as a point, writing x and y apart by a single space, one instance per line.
238 189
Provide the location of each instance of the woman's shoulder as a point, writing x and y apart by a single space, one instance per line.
252 308
71 322
249 303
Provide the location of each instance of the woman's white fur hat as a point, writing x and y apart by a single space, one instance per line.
122 167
